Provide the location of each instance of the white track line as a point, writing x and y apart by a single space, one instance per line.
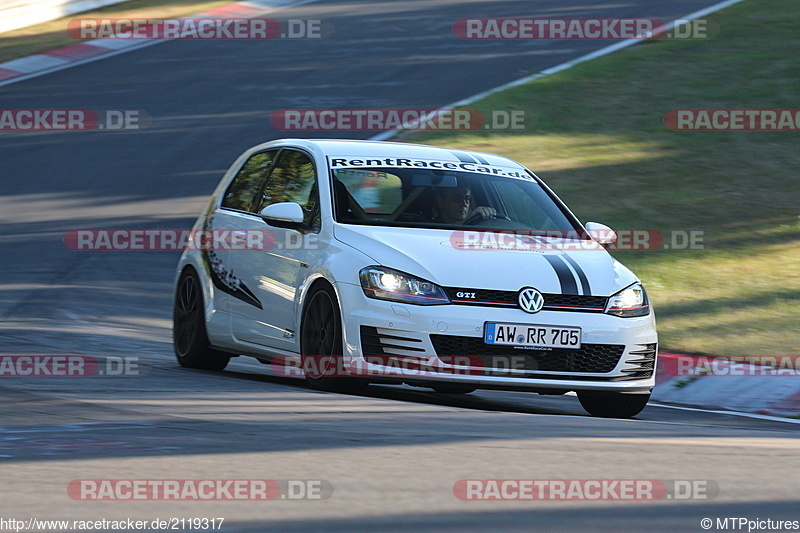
563 66
731 413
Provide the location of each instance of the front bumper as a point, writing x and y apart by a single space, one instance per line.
422 344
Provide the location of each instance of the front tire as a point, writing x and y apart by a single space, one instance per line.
189 336
613 405
321 344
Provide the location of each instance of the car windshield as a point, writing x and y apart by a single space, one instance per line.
431 198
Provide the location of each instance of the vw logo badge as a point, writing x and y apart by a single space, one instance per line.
530 300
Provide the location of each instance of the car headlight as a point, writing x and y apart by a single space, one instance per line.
387 284
629 302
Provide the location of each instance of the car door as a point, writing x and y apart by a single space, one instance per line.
236 210
277 271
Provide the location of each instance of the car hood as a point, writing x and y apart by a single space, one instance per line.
440 256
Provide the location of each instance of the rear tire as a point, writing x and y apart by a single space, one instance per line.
613 405
321 344
189 336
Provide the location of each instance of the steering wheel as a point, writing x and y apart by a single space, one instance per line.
477 216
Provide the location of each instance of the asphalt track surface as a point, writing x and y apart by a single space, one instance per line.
393 454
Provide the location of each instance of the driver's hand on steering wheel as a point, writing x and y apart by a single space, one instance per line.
485 212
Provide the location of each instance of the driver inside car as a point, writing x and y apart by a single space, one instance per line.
453 206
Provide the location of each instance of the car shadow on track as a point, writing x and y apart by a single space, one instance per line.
519 402
483 400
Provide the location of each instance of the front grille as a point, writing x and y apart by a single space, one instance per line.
590 358
482 297
576 301
552 302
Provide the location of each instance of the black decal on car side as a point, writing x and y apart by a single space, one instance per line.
223 279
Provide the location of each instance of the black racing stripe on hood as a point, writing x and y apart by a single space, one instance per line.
481 160
565 276
464 158
587 291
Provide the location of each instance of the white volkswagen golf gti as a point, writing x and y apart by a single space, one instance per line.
350 262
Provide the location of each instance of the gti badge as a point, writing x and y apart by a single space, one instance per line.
530 300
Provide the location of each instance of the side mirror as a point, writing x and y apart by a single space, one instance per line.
284 215
601 233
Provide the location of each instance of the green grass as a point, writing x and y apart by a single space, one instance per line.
53 34
599 141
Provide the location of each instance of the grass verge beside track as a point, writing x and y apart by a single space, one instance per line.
53 34
600 142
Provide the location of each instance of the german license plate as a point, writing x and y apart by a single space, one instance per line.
532 335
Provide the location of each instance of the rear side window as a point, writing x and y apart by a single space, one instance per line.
241 193
294 179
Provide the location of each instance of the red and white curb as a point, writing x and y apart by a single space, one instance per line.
85 52
732 387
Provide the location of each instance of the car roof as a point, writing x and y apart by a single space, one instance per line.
377 149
